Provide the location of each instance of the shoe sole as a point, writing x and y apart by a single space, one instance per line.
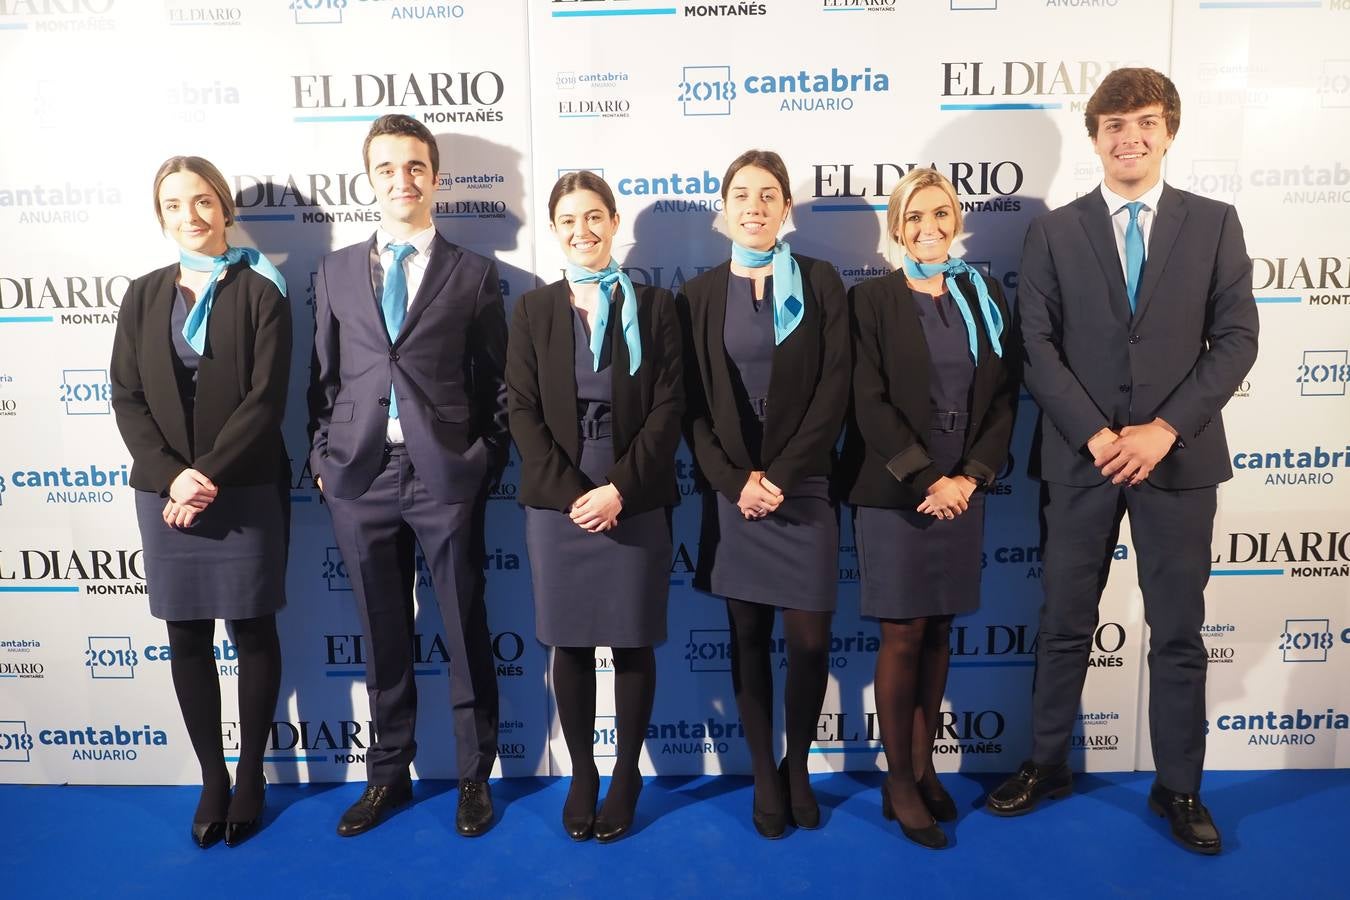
1203 851
1056 794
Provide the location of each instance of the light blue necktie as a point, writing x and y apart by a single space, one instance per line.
1134 251
607 277
394 303
787 284
194 329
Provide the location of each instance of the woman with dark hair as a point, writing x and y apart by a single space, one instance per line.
767 369
200 365
934 395
596 394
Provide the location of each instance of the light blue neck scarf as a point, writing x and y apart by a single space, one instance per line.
194 329
993 319
628 313
787 284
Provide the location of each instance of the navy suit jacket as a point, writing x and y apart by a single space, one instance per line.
1090 363
446 365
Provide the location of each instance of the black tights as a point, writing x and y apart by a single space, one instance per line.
634 691
911 679
197 684
808 644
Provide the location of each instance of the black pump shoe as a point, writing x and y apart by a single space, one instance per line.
580 828
805 810
939 802
238 832
206 834
930 836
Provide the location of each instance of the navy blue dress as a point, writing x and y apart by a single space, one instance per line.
913 564
607 589
789 558
231 564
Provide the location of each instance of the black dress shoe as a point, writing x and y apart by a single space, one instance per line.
236 832
206 834
609 827
931 836
1021 793
377 802
938 801
580 827
474 814
805 810
769 825
1191 823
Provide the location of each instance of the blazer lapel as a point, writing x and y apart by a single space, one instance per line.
793 376
559 371
159 352
1096 221
909 354
444 258
723 397
1162 238
626 390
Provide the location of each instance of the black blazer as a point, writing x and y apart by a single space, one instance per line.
1090 363
808 390
886 460
241 383
541 389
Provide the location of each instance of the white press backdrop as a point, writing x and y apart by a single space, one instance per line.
658 97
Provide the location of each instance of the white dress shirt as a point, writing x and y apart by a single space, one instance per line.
1120 218
414 268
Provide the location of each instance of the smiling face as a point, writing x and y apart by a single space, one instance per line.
404 181
585 229
928 226
756 208
1131 146
192 213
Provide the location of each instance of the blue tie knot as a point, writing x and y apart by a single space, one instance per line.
400 251
1134 206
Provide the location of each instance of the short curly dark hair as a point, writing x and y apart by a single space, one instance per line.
1128 89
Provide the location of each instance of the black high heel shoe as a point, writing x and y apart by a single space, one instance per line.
930 836
608 830
238 832
938 801
806 813
207 834
581 827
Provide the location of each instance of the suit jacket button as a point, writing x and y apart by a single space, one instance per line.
393 356
384 401
1124 388
1134 339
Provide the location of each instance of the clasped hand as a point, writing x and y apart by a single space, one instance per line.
598 509
948 497
759 497
1129 457
189 494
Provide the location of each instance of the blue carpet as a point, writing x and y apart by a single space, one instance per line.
1283 831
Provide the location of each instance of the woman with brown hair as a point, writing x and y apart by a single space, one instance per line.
200 365
767 366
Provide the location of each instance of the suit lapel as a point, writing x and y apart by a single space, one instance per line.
1096 221
444 258
1161 240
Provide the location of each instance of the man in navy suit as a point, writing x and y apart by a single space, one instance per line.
1138 324
407 417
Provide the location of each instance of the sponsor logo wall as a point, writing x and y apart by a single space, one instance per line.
653 96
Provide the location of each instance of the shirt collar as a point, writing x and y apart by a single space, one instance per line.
1115 202
422 241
